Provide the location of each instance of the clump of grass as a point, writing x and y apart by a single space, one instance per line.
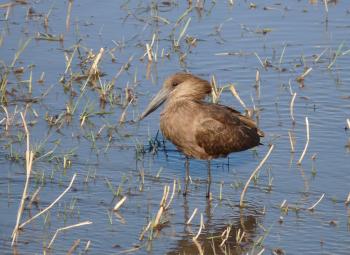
159 219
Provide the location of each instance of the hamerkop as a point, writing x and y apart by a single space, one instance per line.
200 129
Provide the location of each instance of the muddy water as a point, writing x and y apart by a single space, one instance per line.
288 36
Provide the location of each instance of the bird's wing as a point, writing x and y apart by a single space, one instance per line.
223 132
246 120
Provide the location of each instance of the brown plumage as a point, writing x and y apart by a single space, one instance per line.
200 129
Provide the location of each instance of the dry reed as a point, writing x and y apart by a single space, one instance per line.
29 163
192 216
257 83
66 228
201 226
292 107
236 95
241 203
225 235
199 247
292 141
119 204
311 208
301 78
347 201
51 205
307 141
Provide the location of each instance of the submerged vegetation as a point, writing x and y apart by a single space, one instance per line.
81 174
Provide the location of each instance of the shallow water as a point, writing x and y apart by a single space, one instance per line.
230 40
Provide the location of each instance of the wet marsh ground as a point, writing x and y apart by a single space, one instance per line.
76 74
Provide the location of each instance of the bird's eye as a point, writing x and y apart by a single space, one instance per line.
175 83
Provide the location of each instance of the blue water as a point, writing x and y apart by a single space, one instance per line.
300 31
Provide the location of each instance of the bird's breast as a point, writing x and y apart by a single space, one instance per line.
178 124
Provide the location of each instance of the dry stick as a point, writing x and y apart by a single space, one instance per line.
165 195
261 252
215 91
29 163
260 61
161 206
319 56
347 199
69 10
225 235
239 236
306 73
8 11
183 31
254 173
291 140
318 201
94 68
66 228
149 52
159 214
69 60
220 193
257 82
172 195
283 203
123 115
292 107
7 118
87 246
193 214
234 92
302 77
183 16
119 204
34 196
145 230
307 141
200 228
282 54
73 248
199 247
51 205
153 39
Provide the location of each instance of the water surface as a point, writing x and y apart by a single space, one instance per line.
288 36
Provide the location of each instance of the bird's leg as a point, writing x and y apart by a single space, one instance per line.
209 180
187 177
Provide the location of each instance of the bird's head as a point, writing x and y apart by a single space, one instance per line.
176 87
